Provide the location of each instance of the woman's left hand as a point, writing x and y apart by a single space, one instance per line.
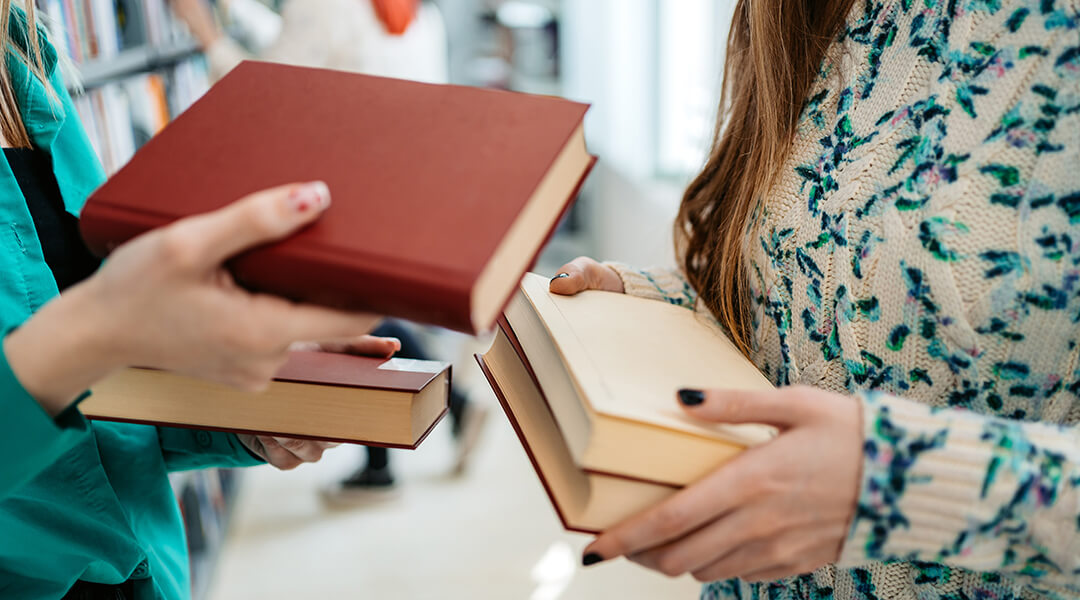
780 509
289 453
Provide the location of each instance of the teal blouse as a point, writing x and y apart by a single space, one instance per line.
79 500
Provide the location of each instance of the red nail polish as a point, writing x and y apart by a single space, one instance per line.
310 196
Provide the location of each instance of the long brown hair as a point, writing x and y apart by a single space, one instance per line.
774 52
29 52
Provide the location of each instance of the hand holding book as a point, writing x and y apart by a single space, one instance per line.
288 453
778 510
584 273
165 301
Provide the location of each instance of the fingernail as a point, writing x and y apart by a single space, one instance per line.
310 196
591 559
560 276
691 397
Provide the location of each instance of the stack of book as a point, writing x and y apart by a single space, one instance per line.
589 383
443 198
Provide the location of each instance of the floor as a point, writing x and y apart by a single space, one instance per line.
490 533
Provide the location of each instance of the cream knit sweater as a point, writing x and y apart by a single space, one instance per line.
921 251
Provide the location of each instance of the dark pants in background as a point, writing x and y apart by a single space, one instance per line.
378 458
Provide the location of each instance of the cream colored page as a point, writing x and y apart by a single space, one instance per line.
629 356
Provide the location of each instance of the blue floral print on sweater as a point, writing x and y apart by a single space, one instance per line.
921 251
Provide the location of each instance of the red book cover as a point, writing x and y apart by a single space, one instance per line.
347 370
428 183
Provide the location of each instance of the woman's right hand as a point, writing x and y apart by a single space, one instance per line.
584 273
165 300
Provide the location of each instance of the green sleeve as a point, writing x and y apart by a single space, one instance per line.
187 449
30 439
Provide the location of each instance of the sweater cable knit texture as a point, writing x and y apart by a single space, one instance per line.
921 251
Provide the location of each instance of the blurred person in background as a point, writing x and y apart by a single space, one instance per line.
404 39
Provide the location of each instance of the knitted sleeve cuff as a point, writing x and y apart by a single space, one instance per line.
665 284
977 492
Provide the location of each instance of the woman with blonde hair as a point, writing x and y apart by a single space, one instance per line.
86 509
888 225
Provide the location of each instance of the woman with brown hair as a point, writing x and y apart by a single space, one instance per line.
86 509
888 225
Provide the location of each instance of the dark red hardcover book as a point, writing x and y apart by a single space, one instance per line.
442 195
316 395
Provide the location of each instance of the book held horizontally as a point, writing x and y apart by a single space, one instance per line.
442 195
590 382
316 395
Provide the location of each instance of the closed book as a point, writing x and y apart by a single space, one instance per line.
611 366
584 502
442 195
316 395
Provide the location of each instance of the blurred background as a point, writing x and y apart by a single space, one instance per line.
449 526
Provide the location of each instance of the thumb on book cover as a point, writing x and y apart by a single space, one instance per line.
259 218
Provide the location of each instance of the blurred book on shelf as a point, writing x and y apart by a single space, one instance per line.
204 498
120 117
138 69
90 30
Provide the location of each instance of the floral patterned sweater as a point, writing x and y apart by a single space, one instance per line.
921 251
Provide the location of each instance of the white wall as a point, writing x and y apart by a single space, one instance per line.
633 218
612 53
608 60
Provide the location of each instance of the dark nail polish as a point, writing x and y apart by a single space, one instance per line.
591 559
560 276
691 397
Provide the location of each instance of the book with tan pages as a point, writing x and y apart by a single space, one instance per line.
610 366
584 502
393 403
442 195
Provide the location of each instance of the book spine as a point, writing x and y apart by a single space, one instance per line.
495 387
111 418
90 31
371 285
104 227
74 29
374 286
